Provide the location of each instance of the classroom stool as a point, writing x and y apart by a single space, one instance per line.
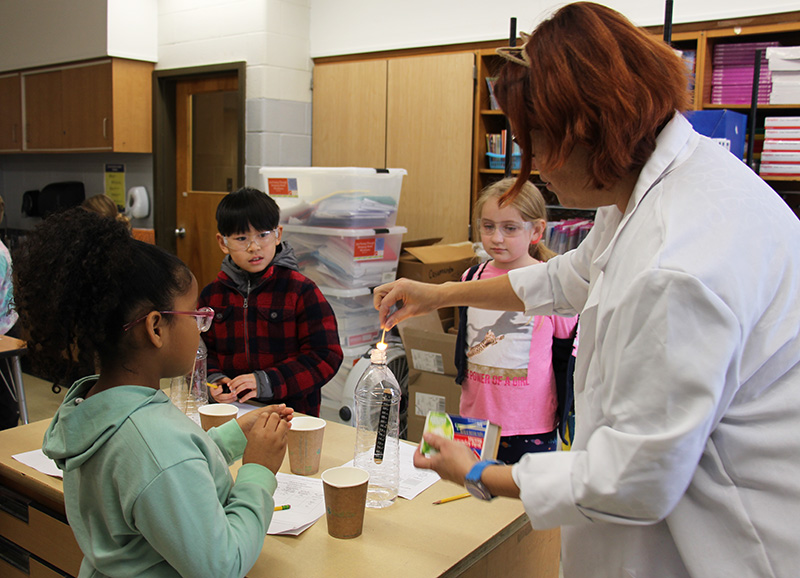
12 349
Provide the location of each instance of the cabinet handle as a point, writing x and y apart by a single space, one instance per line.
181 233
105 127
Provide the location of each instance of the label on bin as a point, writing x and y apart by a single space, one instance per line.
369 248
282 188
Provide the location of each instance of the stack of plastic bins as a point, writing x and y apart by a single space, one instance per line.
340 221
357 318
337 197
346 258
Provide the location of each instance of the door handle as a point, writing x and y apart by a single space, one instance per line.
181 233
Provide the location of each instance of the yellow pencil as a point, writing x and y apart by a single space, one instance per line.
214 385
279 508
451 498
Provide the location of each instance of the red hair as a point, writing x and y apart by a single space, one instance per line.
598 81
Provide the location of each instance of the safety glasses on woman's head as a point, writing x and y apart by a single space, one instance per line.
203 316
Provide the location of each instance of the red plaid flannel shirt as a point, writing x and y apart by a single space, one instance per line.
285 328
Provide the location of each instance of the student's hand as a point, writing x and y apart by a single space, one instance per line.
247 420
404 298
219 395
244 387
266 441
453 461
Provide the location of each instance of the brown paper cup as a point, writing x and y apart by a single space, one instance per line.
215 414
345 491
305 444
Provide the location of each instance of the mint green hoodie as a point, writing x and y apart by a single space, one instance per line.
149 493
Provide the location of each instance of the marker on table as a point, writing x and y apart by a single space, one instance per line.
452 498
279 508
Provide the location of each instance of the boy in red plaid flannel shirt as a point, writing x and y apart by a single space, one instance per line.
274 336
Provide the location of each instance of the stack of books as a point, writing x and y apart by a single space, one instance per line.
781 154
784 66
565 235
732 73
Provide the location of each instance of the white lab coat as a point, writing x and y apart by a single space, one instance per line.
686 459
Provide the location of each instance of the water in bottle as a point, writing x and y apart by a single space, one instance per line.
189 392
377 404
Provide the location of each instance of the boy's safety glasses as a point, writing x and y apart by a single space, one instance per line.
243 242
203 316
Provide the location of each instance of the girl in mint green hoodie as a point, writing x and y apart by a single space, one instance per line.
147 492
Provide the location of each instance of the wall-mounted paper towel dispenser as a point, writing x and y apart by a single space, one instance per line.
138 206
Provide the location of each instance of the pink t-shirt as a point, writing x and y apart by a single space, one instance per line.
509 378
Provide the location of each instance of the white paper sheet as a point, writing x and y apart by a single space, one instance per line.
413 481
39 462
305 496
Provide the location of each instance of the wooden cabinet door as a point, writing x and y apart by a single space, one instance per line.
10 113
43 111
86 105
429 133
349 114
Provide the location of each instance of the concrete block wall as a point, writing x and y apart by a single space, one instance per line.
272 37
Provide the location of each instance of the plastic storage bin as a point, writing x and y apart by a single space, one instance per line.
498 161
338 197
346 258
357 318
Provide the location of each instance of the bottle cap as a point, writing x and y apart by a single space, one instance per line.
378 356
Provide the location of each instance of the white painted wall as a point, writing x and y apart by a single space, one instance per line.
272 38
355 26
43 32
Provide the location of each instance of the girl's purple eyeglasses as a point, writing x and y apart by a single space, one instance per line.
204 316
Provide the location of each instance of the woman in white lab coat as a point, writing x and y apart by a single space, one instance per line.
687 382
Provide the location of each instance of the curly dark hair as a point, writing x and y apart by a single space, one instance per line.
78 278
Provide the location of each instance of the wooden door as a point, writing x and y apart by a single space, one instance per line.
10 113
429 133
43 112
87 106
349 115
206 167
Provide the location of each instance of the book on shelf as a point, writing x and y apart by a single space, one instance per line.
493 105
480 435
496 144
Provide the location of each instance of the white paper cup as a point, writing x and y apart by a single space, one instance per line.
216 414
305 444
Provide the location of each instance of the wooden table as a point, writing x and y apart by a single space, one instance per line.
410 539
12 349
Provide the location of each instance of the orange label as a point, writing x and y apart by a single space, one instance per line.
282 187
369 248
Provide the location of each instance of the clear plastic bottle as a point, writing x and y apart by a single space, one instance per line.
377 405
194 385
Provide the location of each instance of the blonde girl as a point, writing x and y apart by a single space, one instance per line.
508 362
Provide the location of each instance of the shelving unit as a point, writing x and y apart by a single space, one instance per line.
699 36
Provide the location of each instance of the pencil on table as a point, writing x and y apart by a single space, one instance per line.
279 508
451 498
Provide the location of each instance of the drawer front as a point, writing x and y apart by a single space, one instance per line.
16 562
42 533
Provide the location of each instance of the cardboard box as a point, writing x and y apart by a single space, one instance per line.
429 392
430 353
428 261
